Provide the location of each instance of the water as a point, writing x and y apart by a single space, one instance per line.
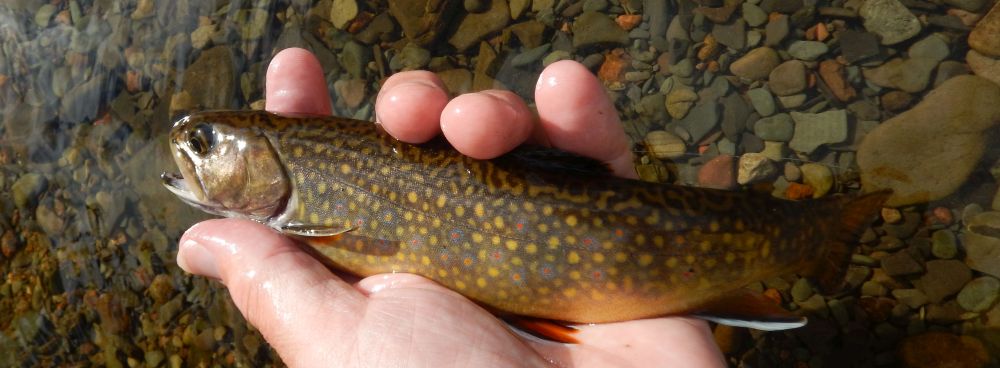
89 88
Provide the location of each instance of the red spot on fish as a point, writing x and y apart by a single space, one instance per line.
519 226
496 255
597 275
467 261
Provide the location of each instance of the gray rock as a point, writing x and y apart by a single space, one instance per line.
944 278
412 57
754 167
979 295
776 31
889 19
913 298
658 16
857 275
779 128
530 56
732 35
753 15
900 264
754 37
700 120
788 78
27 188
756 64
948 69
933 47
734 114
477 26
801 290
593 28
814 130
982 253
793 101
595 5
873 288
928 151
762 101
969 5
945 244
856 46
355 57
807 50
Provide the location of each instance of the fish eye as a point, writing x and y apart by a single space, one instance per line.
201 139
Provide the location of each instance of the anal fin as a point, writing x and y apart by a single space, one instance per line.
544 328
748 308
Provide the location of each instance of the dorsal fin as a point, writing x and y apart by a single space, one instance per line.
554 161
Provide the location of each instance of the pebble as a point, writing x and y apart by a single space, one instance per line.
942 349
735 111
896 100
679 101
351 91
756 64
817 176
945 244
807 50
833 75
753 15
788 78
943 278
476 6
873 288
983 37
912 74
928 151
776 30
700 120
793 101
856 46
889 19
814 130
27 188
774 150
718 173
913 298
856 275
901 263
979 294
342 12
983 66
762 101
593 28
801 290
754 167
982 253
665 145
475 27
413 57
792 172
732 35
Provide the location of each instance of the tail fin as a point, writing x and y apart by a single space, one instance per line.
854 216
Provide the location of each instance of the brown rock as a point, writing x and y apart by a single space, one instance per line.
422 20
896 100
984 38
615 64
832 74
719 173
942 349
756 64
984 66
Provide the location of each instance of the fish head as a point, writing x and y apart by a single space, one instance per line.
227 168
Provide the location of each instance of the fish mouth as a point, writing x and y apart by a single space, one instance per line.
176 184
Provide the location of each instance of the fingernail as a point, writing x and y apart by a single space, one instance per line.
194 258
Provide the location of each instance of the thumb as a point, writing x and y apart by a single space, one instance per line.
288 295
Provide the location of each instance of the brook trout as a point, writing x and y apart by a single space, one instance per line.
537 232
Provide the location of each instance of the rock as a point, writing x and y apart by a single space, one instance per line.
979 295
351 92
832 74
788 78
476 6
354 57
801 290
983 66
776 30
592 29
756 64
982 253
942 349
779 127
793 101
702 119
774 150
732 35
948 69
983 37
814 130
27 188
927 152
457 80
111 208
422 21
914 73
807 50
679 102
718 173
213 77
873 288
411 57
762 101
734 115
896 100
857 46
476 26
81 102
50 223
969 5
343 12
753 15
754 167
913 298
901 263
945 244
889 19
665 145
944 278
817 176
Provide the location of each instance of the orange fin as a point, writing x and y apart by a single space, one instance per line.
855 215
748 308
545 329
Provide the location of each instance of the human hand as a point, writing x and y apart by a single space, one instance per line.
313 317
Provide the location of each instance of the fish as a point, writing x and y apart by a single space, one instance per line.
537 233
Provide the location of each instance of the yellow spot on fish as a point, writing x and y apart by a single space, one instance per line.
598 257
425 260
314 218
412 197
531 248
710 262
596 295
573 257
477 237
645 259
345 169
441 201
571 220
610 286
713 226
479 210
443 273
671 262
690 259
553 242
705 245
730 257
321 188
547 210
621 257
460 285
498 221
481 282
569 292
574 275
297 151
765 249
459 211
493 272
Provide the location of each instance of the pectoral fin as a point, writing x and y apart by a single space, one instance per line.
311 231
747 308
543 328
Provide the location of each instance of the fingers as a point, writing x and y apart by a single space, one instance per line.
409 105
295 84
487 124
279 288
670 342
576 115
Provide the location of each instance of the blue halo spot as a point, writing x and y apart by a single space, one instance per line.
456 235
597 275
547 271
468 260
517 276
590 243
